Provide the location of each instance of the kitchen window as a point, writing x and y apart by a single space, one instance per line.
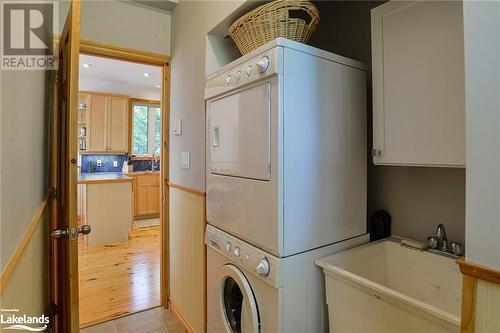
146 128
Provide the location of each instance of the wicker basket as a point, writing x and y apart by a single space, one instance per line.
292 19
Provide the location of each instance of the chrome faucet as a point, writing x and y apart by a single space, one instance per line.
439 243
442 239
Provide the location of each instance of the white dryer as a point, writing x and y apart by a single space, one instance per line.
251 291
286 148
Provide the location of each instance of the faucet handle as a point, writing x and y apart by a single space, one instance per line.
457 248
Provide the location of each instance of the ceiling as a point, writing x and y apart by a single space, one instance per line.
119 77
166 5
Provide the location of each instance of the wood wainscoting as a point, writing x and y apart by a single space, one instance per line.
24 282
187 257
480 298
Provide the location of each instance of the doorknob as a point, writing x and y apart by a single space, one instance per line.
72 232
84 229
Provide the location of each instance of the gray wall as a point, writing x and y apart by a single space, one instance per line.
416 198
191 20
23 141
121 23
482 70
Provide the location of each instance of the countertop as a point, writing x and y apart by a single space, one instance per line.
156 172
102 177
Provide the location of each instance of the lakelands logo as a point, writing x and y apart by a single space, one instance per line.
27 39
12 319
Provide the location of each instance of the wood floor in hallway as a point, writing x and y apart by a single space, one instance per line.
156 320
119 279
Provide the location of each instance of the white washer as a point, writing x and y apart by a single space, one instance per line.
252 291
286 148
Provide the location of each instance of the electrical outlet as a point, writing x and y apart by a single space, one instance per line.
98 163
115 163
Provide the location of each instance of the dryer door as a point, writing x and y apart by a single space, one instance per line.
238 310
239 127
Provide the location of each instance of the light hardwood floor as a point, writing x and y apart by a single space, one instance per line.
156 320
119 279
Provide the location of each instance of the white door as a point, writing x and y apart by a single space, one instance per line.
239 126
238 308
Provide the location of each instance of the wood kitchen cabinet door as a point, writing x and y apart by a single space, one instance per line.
118 124
418 84
147 195
97 131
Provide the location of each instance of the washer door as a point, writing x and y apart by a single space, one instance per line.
238 310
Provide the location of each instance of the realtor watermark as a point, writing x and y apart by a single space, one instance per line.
28 35
13 319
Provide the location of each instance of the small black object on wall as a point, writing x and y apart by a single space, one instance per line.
380 225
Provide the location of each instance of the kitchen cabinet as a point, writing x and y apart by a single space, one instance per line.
146 194
418 84
97 124
82 108
82 122
108 124
81 204
118 124
105 203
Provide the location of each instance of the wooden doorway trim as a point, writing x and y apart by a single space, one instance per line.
163 61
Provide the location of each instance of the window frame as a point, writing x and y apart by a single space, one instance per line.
151 126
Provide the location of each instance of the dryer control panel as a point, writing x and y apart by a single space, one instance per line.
245 256
257 68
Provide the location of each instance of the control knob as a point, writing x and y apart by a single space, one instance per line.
237 76
263 268
236 251
228 246
228 80
263 64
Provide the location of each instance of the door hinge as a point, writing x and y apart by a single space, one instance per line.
53 193
53 309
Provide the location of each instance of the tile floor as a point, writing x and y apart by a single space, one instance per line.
157 320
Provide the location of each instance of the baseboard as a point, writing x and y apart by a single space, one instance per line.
177 314
146 217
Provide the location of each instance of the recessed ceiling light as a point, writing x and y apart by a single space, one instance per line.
158 86
87 65
147 74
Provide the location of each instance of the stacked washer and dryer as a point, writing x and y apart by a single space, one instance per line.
286 175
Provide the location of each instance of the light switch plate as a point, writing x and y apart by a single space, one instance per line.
185 160
177 126
115 163
98 163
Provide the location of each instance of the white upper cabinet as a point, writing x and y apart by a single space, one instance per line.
418 84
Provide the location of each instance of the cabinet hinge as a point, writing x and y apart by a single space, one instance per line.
375 152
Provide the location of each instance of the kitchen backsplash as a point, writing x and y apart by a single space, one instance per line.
89 163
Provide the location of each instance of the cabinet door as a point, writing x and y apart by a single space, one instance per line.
97 131
148 195
118 124
418 83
